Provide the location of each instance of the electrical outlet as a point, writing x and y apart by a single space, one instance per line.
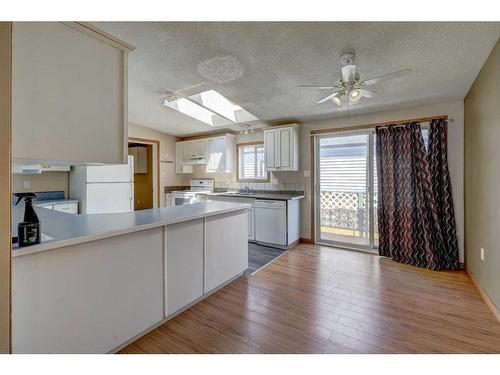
307 173
27 184
482 254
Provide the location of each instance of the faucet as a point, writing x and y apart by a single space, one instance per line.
247 189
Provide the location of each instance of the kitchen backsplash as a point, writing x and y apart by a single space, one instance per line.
282 186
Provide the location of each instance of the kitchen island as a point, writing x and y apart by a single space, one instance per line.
103 280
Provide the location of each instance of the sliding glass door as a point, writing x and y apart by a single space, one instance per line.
345 200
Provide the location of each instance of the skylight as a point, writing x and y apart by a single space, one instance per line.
211 108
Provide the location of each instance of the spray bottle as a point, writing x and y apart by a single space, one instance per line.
28 231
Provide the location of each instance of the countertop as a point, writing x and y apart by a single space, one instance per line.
44 202
70 229
283 196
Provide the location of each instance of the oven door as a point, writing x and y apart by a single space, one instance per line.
183 199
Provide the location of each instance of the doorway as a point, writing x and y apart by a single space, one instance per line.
345 213
146 189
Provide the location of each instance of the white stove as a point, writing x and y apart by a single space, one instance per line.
196 186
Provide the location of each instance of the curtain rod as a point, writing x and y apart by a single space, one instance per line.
387 123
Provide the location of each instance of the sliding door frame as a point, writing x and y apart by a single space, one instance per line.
370 247
5 185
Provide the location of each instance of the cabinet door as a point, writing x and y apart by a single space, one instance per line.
184 264
270 140
285 148
216 155
225 256
178 157
180 167
84 118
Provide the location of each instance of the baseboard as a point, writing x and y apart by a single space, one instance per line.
306 241
494 309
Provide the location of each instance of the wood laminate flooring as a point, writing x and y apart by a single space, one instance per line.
259 256
317 299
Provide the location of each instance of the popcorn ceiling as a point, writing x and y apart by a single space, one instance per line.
221 69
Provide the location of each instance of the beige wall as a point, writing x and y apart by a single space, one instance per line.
168 177
455 155
5 200
482 176
47 181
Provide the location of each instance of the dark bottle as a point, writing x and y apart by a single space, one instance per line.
28 231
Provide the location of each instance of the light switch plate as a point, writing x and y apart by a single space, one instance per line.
307 173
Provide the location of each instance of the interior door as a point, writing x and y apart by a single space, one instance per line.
344 189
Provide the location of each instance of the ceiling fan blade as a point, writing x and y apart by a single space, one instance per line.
369 93
318 87
374 80
327 98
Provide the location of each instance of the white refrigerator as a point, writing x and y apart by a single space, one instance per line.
104 189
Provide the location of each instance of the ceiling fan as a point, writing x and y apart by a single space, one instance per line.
351 88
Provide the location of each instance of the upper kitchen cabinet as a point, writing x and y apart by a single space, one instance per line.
281 146
69 94
180 149
217 154
221 154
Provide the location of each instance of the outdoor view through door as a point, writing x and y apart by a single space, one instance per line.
346 195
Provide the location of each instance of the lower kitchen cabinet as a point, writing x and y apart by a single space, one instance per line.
183 264
251 210
225 254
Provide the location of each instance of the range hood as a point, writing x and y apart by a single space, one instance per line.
195 160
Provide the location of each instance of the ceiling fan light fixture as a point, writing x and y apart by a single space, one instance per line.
337 100
355 95
246 129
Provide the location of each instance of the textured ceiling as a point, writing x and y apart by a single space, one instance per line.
262 63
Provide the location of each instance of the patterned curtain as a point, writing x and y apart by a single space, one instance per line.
441 187
408 218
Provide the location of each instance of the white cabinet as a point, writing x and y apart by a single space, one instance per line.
69 94
221 154
90 297
251 210
180 167
183 265
217 154
140 155
226 256
281 146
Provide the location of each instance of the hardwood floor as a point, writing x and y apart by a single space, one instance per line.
317 299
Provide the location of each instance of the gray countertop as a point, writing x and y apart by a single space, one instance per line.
70 229
44 202
261 195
